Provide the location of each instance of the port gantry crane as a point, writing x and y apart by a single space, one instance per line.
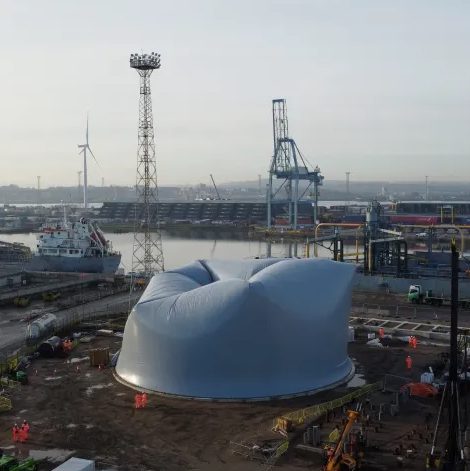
288 164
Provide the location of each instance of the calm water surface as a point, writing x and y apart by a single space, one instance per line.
178 251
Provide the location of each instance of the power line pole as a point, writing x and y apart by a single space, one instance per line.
147 254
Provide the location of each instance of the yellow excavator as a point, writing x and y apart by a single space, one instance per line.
339 461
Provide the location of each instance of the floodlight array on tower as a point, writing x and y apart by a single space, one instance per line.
147 254
145 61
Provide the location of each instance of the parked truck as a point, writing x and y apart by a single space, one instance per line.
417 295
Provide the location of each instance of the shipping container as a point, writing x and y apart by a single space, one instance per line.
353 218
414 219
284 221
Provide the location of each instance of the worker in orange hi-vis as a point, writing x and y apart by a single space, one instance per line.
415 342
22 435
409 362
138 400
144 399
25 427
15 433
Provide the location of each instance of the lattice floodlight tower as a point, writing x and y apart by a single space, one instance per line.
289 164
147 255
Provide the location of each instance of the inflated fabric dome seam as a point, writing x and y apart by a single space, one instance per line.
264 328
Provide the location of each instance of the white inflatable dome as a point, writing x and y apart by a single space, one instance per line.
250 329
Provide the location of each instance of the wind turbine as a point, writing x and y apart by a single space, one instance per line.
84 148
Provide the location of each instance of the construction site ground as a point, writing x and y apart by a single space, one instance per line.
13 320
78 410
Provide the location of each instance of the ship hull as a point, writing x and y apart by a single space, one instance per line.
107 264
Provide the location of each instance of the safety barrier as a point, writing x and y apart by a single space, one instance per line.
10 362
5 404
311 413
281 449
250 450
9 383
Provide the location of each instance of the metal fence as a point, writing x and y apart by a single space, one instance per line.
309 414
398 311
10 360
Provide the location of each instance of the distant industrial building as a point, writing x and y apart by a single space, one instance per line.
210 211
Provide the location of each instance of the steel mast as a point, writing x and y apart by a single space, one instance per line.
147 254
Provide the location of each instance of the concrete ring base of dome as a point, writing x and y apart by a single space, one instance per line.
310 392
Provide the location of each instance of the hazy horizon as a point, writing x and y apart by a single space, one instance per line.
378 88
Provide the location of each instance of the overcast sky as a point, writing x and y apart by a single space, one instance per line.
380 88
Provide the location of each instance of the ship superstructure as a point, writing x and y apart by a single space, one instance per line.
74 246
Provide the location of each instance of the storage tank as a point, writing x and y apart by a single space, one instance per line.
51 347
252 329
41 326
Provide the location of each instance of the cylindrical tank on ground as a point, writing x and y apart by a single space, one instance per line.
41 326
50 347
373 214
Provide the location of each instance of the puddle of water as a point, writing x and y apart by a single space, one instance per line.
54 455
72 425
356 381
23 411
52 378
90 389
120 394
89 426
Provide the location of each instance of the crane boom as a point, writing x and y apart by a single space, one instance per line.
333 463
215 187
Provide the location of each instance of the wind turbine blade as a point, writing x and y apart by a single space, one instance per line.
93 155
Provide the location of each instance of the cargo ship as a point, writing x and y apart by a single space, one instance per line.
74 247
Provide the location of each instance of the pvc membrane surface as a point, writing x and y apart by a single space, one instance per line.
240 330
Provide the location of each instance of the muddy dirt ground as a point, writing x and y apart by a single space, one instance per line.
85 412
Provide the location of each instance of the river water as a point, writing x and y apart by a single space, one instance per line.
178 251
